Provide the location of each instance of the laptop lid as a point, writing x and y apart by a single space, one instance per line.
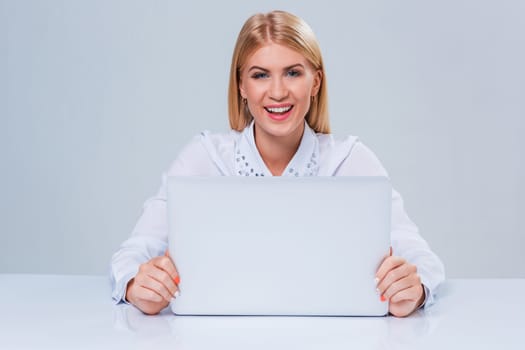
279 245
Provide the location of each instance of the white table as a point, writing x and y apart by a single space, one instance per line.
76 312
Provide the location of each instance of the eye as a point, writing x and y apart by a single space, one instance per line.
259 75
293 73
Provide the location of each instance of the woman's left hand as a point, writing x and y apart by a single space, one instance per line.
399 283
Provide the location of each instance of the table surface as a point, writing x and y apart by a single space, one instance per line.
76 312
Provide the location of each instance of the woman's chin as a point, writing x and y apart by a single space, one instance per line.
287 128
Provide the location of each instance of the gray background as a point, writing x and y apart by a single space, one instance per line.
97 98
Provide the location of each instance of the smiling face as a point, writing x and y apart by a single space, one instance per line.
278 84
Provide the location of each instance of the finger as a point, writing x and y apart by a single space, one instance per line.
412 293
176 279
150 271
395 275
382 261
401 284
165 263
388 264
150 283
163 278
145 294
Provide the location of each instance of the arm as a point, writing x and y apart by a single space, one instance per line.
408 244
140 273
412 258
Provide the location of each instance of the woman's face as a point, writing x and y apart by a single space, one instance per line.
278 84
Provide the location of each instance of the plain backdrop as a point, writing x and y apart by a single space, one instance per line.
98 97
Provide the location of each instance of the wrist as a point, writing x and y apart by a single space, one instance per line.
423 296
128 293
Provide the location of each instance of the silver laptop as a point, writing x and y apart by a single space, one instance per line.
307 246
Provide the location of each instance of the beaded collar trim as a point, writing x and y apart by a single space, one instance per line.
248 161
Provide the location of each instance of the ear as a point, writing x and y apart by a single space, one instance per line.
318 78
241 88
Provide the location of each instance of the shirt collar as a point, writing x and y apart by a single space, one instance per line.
248 161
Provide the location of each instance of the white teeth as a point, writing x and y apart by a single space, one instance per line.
278 109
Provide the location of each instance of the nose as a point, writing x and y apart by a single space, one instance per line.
278 89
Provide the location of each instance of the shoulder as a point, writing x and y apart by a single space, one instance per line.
329 144
348 156
204 154
219 142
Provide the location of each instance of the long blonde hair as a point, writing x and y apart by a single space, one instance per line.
285 29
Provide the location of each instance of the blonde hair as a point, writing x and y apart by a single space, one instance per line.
282 28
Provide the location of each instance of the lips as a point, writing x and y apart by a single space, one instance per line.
279 112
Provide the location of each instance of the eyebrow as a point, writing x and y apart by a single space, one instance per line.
285 68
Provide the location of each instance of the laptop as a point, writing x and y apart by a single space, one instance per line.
306 246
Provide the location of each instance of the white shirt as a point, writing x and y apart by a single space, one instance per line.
235 153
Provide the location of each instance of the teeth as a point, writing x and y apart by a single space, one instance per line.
279 109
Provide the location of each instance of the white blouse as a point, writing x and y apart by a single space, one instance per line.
235 153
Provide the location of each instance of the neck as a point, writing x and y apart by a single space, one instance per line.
277 151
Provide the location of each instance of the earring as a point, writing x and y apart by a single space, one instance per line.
244 101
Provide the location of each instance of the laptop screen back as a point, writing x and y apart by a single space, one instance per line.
280 245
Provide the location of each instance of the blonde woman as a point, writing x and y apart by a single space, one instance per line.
280 127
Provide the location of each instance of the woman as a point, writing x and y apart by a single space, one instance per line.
278 115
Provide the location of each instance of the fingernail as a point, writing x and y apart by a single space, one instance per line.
377 290
172 300
177 293
376 280
177 280
382 298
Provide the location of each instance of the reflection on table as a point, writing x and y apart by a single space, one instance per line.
66 312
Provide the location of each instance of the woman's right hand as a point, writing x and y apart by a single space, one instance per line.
155 284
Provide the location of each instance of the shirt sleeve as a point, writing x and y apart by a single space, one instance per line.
405 238
149 238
